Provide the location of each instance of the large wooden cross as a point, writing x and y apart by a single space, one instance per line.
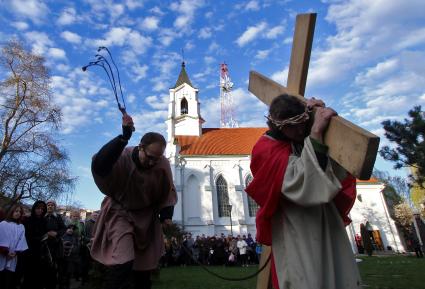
354 148
349 145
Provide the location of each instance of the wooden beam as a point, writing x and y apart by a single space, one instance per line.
352 147
300 53
264 278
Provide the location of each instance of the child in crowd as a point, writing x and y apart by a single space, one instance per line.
12 241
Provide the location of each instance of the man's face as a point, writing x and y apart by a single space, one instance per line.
75 216
50 208
150 155
296 132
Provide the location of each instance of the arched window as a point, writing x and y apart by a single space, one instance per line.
222 197
252 205
183 106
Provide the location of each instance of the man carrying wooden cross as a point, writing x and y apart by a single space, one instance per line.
304 172
304 199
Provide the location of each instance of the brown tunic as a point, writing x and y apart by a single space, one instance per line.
128 227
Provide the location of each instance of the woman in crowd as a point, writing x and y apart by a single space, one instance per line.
35 230
12 241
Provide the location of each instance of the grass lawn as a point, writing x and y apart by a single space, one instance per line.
396 272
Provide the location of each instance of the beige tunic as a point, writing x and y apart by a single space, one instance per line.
128 227
310 244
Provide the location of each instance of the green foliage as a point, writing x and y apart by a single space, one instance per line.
409 138
396 189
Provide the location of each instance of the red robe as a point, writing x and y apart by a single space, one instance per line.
268 166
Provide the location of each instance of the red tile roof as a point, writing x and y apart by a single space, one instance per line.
221 141
226 141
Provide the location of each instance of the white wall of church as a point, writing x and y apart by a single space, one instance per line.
197 208
370 206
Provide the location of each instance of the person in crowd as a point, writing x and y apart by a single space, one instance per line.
242 245
71 256
86 260
12 242
55 229
304 198
140 196
2 214
35 259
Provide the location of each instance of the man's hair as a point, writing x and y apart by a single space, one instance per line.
152 137
284 106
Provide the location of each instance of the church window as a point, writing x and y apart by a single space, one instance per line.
223 197
183 106
252 205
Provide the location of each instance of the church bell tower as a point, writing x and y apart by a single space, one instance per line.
184 116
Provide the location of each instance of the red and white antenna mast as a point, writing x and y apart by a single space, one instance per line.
226 99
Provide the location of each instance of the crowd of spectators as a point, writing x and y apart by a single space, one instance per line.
44 250
211 250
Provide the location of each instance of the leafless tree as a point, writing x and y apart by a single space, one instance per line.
32 164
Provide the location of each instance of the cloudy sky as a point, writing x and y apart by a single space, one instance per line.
367 60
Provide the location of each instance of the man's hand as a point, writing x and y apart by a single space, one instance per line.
312 103
322 117
127 126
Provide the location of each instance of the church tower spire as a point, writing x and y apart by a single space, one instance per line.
184 116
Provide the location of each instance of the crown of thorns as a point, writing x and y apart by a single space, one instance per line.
297 119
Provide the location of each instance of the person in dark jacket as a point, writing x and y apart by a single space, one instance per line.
55 230
35 230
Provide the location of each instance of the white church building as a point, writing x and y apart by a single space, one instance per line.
211 170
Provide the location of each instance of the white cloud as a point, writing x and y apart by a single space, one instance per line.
133 4
158 102
262 54
186 11
40 41
71 37
281 76
139 71
275 31
35 10
209 60
156 10
252 5
251 33
366 33
120 36
205 33
287 40
68 16
150 23
20 25
81 98
56 53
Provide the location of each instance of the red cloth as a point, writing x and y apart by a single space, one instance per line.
268 165
345 199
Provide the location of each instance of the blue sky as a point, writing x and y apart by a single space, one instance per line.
367 60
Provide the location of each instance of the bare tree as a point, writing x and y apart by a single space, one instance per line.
32 165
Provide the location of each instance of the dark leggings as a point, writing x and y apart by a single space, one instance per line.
121 276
